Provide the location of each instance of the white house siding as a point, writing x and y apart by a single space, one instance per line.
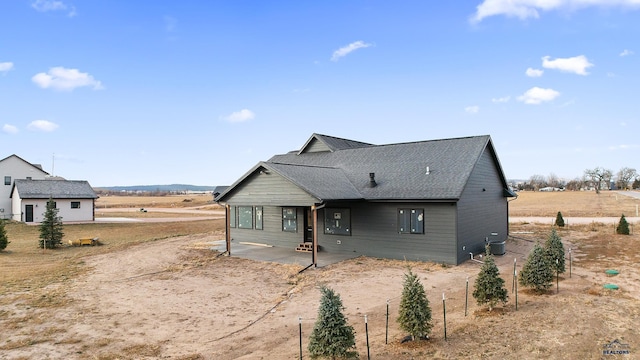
18 169
84 213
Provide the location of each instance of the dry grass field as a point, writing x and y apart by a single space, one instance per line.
573 204
25 266
170 201
155 290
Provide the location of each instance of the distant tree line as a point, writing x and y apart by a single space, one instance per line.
596 179
103 192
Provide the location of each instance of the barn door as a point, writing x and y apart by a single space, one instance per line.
28 213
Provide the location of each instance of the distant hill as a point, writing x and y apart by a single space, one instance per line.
151 188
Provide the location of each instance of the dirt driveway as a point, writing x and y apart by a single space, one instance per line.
174 299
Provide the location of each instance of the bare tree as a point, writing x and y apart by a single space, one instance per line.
575 184
554 180
598 176
536 182
625 177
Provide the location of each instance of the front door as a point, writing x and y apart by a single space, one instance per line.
308 225
28 213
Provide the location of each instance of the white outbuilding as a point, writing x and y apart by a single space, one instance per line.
74 199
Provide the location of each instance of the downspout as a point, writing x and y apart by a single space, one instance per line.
314 235
478 261
227 221
509 224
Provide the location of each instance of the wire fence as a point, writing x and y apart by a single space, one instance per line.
379 328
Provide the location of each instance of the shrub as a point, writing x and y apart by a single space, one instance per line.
332 337
555 251
489 287
537 271
4 240
623 226
51 227
559 220
415 313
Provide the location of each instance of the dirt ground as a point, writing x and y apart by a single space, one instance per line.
176 299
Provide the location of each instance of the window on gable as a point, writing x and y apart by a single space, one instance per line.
7 180
337 221
75 204
411 221
289 219
245 217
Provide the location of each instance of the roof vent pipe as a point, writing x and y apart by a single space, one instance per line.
372 180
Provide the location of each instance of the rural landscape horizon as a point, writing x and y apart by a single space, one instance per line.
242 180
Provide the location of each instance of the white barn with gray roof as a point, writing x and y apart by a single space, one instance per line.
437 200
75 200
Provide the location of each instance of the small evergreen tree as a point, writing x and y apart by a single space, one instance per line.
559 220
623 226
537 271
489 287
4 240
555 251
332 337
51 227
415 312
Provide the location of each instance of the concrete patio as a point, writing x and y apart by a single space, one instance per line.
279 255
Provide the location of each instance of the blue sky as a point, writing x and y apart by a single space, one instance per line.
159 92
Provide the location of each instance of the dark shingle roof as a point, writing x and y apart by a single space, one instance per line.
325 183
400 169
333 143
57 189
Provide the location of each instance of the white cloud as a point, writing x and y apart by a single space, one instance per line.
523 9
42 125
9 129
577 64
345 50
531 72
623 147
472 109
501 100
60 78
536 95
53 5
240 116
626 52
5 66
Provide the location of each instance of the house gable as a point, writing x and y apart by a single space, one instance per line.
12 168
322 143
266 186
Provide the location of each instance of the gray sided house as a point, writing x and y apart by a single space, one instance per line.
74 199
436 200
